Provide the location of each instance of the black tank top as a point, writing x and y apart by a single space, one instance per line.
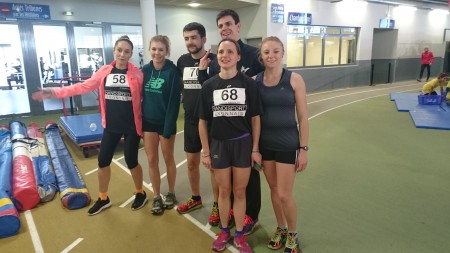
279 131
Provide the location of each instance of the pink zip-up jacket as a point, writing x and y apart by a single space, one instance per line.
427 58
97 80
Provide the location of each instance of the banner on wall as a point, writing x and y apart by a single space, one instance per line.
299 18
278 13
24 11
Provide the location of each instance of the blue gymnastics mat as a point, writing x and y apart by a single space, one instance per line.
78 127
435 118
423 116
407 101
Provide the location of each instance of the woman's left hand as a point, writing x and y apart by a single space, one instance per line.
302 161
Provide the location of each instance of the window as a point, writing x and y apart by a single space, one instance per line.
315 46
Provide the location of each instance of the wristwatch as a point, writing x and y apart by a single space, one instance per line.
306 148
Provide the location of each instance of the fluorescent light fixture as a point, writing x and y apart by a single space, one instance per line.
440 12
68 13
407 8
194 4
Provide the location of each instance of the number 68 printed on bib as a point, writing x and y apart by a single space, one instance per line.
229 96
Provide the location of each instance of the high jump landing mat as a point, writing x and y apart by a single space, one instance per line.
79 131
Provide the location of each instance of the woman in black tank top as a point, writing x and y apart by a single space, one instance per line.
283 144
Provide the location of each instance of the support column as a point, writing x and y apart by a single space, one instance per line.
148 17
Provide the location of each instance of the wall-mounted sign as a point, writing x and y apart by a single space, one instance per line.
278 13
299 18
387 23
24 11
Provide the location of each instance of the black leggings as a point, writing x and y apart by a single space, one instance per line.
108 146
422 68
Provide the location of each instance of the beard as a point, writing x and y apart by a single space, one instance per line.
196 50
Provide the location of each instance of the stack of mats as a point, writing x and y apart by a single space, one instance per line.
423 116
78 128
73 191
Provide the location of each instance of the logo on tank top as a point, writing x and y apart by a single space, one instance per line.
244 69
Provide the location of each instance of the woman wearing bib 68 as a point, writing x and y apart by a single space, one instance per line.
229 127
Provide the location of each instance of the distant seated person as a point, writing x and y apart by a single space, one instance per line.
447 89
439 81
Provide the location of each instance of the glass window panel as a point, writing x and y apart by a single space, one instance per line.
53 59
13 88
348 30
331 54
295 49
313 51
348 50
90 56
314 29
135 35
296 29
332 30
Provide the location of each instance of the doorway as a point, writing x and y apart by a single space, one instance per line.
384 53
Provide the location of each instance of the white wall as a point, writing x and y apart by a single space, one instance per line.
90 10
171 21
415 29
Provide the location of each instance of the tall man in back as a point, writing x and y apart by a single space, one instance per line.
188 64
229 25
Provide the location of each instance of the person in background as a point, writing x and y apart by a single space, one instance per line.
120 95
447 94
229 26
283 147
439 81
195 38
229 127
427 60
160 106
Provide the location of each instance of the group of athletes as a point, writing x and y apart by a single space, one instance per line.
244 114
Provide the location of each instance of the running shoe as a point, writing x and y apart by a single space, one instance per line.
214 218
249 225
157 206
140 199
221 242
190 205
278 239
169 200
241 243
292 245
99 206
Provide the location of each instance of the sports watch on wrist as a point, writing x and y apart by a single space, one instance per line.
306 148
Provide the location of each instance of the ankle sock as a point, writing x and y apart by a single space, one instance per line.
196 198
238 233
103 195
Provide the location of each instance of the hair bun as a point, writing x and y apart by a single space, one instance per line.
124 37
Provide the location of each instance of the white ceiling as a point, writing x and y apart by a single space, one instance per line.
205 4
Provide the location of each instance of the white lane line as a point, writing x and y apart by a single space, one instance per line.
72 245
349 94
90 172
128 201
207 229
359 100
349 88
33 232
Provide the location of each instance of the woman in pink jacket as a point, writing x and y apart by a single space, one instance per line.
427 60
120 96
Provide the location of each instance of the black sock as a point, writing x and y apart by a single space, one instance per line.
196 198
